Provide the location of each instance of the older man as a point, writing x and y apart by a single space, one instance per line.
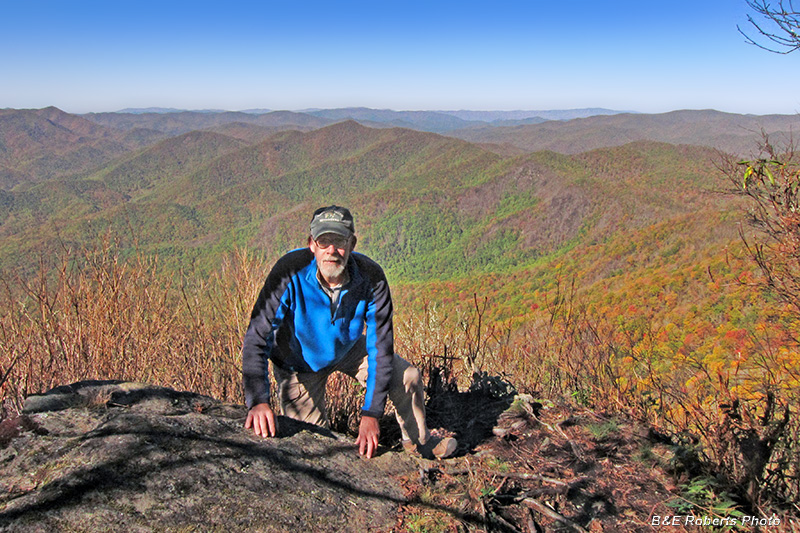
324 309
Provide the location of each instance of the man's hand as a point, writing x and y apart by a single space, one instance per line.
262 419
368 433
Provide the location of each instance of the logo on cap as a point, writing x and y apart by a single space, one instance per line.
333 219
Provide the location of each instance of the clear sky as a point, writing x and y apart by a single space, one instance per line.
646 55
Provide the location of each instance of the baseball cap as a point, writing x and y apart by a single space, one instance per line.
332 219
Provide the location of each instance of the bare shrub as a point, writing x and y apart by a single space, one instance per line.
92 315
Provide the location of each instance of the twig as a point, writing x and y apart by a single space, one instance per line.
7 373
517 475
484 512
536 477
545 510
496 517
533 527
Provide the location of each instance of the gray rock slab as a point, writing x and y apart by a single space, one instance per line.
116 456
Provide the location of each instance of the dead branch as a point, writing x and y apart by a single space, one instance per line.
550 513
535 477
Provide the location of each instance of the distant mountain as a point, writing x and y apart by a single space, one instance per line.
253 133
141 137
445 121
142 110
185 121
732 133
174 121
520 122
164 161
515 116
259 111
431 121
504 132
40 144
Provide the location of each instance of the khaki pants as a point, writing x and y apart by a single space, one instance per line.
302 395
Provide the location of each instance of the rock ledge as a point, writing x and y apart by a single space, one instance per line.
120 456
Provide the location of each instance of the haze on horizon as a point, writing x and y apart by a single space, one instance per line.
650 57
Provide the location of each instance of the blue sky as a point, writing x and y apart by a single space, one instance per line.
650 56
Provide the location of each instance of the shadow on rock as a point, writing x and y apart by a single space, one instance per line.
469 415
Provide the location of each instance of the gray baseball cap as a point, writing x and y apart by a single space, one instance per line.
332 219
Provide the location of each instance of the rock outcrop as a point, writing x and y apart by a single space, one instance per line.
119 456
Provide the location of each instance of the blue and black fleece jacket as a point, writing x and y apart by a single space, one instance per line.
293 326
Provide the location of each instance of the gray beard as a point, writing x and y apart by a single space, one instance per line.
329 271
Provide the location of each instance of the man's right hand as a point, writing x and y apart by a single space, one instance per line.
262 419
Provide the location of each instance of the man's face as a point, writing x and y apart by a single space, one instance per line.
332 252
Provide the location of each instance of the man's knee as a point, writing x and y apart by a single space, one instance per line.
412 378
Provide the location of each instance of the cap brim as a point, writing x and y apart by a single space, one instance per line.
331 228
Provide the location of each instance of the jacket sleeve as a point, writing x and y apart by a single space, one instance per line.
380 345
259 339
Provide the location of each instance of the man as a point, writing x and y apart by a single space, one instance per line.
326 308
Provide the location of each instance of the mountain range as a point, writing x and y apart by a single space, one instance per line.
429 206
731 133
37 145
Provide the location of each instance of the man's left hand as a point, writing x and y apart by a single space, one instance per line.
368 433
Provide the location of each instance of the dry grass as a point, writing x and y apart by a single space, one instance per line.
92 315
